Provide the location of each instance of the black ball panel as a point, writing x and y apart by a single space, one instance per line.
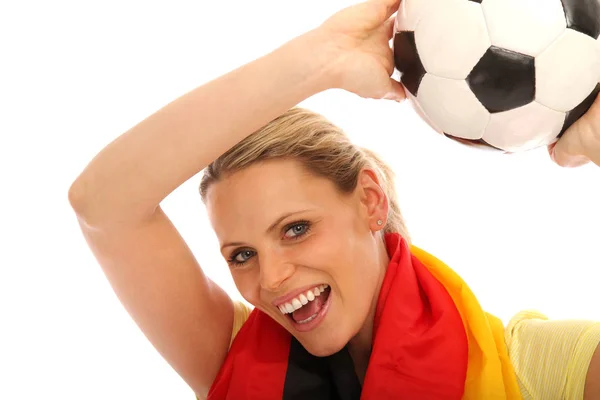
503 80
580 110
407 60
583 16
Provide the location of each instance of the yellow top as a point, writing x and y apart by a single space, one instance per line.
551 358
490 374
241 312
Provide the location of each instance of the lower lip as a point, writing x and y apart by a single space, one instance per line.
309 326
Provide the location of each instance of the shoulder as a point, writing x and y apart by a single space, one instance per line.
241 312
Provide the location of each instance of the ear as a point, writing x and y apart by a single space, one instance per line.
373 199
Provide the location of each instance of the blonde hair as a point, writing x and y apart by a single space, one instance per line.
320 146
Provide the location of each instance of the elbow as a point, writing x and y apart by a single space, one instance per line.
96 209
76 196
84 208
81 203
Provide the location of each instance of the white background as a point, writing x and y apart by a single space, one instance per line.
521 231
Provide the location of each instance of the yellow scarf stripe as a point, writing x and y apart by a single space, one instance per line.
490 374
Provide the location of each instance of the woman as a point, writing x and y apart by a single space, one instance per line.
312 231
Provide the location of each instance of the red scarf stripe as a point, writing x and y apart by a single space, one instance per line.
256 363
420 348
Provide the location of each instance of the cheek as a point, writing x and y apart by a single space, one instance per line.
339 248
355 270
247 283
342 234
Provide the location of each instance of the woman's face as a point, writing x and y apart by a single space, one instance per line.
300 251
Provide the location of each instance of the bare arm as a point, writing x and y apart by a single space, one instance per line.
117 197
154 274
128 179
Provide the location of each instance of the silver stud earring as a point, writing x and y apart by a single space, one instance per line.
379 222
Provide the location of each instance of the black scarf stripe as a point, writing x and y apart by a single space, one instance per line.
320 378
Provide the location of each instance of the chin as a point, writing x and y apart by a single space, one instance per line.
323 346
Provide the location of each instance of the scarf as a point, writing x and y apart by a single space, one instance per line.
431 340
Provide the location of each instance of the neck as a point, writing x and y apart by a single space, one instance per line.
361 344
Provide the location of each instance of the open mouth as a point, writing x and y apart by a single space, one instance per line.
306 310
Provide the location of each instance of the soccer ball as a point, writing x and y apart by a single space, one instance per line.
510 75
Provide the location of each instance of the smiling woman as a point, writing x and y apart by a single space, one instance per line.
344 306
313 231
336 230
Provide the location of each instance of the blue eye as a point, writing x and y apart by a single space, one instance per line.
241 257
297 230
292 231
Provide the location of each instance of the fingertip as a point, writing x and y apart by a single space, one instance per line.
392 7
562 159
557 156
395 97
399 89
551 148
389 27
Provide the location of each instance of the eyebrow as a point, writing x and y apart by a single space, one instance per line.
270 228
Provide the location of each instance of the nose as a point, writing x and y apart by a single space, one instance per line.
274 270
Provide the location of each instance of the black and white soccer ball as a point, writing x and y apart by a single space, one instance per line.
511 75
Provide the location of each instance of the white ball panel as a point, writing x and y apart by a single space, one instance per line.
453 107
419 110
524 26
452 38
567 71
411 11
524 128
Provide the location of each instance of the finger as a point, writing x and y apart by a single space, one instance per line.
388 28
396 91
392 7
375 13
391 64
569 151
581 142
566 160
384 9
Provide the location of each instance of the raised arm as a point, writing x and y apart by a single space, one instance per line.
151 269
117 196
127 180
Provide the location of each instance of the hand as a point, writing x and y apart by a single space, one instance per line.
361 59
581 142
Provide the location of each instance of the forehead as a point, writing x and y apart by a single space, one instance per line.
256 196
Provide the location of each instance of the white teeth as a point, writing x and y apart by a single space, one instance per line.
302 300
296 303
